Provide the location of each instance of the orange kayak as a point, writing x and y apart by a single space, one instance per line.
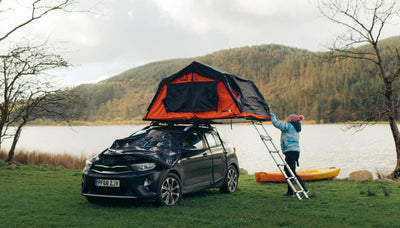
305 175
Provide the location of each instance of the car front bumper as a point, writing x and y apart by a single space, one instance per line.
130 186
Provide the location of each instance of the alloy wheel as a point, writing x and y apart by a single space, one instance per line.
232 178
170 192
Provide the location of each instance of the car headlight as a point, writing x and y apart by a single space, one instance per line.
88 164
143 166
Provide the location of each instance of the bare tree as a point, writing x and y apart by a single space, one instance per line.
27 94
26 90
364 21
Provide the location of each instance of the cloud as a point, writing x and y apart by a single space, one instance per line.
273 8
119 35
116 36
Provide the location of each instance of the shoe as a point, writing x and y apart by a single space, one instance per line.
287 194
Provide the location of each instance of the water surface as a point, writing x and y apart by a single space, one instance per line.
321 146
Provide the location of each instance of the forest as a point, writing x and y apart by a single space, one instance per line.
292 80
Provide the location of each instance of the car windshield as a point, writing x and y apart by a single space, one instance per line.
160 138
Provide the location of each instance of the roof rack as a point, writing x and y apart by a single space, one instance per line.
176 123
208 121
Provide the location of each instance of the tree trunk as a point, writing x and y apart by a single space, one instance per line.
393 126
14 143
396 137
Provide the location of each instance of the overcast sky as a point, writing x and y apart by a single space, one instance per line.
123 34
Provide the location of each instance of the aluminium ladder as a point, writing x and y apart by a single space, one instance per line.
280 162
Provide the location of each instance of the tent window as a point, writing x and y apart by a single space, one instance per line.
191 97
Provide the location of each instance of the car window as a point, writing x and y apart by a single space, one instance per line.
217 140
210 139
193 141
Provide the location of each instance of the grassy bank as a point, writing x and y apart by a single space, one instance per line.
34 158
48 196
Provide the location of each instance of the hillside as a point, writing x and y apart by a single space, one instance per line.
291 80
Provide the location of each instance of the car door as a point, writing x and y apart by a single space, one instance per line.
196 161
218 155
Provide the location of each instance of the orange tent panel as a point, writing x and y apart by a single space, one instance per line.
192 87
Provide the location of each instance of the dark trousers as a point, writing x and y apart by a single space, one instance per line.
291 158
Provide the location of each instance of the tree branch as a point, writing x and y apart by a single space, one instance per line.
35 16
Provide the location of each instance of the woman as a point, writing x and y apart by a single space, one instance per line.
290 144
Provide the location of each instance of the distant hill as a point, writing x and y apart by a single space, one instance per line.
292 81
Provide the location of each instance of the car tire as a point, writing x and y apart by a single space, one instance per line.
169 191
231 181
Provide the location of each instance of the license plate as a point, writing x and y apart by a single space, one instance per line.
107 183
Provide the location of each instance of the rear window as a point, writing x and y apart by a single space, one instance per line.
212 139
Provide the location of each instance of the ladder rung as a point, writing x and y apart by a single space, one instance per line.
274 151
302 195
266 137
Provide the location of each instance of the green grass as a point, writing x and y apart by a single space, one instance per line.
47 196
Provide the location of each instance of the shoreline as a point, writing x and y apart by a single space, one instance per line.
142 122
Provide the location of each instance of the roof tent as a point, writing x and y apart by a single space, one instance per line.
200 92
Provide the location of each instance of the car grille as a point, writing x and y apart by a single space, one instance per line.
116 169
112 160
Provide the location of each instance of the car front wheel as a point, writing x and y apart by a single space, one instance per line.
169 192
231 180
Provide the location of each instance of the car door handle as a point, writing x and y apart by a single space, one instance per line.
205 155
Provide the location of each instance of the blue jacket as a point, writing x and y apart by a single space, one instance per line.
289 134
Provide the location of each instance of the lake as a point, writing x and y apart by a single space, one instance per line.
322 146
